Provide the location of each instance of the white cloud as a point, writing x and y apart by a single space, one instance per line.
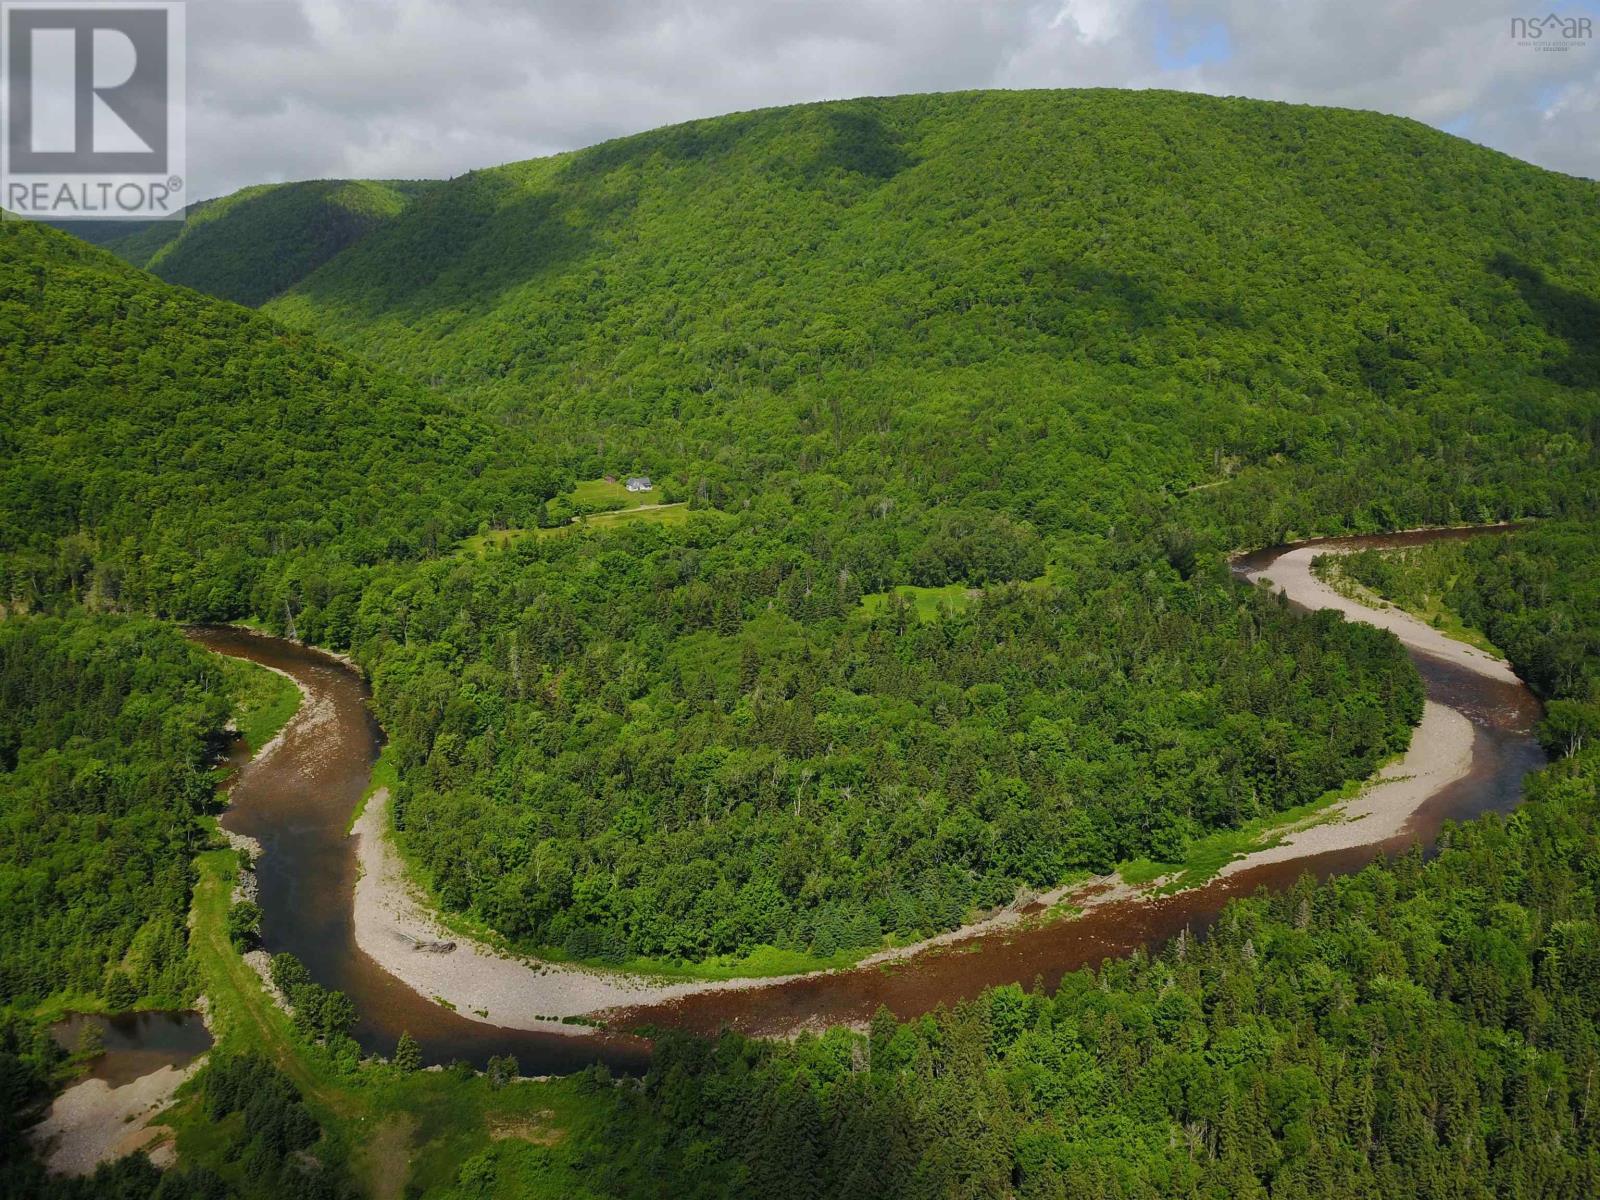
284 89
1096 21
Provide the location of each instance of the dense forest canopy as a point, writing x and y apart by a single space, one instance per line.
630 767
1417 1029
1042 304
907 341
105 724
253 244
1044 351
1044 354
1409 1031
169 452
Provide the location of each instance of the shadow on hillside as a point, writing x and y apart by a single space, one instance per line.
1569 315
461 248
464 246
850 135
1071 297
856 139
696 141
301 226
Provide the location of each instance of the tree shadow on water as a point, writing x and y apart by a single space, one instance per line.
1571 316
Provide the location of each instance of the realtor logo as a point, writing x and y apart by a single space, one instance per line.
94 109
1552 32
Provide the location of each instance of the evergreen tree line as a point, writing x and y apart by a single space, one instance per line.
107 725
1417 1029
320 1014
629 747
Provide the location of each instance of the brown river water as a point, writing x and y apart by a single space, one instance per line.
135 1043
298 804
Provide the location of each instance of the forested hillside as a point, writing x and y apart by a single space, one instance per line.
254 243
935 341
1043 353
1409 1031
105 723
1043 304
1414 1030
648 758
167 452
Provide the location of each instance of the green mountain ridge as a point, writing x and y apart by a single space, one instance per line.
956 341
1041 356
163 450
781 286
254 243
938 341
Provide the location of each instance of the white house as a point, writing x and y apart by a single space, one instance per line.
639 483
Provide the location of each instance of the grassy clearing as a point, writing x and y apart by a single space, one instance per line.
497 539
663 514
532 1140
263 701
1448 623
928 601
63 1005
384 775
504 539
597 502
931 602
603 494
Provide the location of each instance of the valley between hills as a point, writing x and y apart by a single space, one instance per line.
721 663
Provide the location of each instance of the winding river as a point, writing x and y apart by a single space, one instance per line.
297 802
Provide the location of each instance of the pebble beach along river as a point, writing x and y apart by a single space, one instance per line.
298 802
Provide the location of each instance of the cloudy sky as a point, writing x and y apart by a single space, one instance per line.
296 89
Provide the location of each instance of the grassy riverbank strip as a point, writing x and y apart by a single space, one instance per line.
263 701
1333 570
400 1133
1209 855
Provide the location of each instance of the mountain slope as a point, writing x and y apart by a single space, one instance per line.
862 283
986 345
253 244
166 450
1067 340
